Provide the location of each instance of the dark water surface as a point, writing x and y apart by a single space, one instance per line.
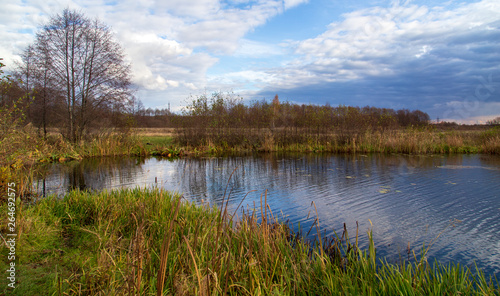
409 199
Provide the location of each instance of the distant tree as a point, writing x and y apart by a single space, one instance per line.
6 84
276 108
136 107
11 95
79 56
403 116
419 117
13 138
43 95
495 121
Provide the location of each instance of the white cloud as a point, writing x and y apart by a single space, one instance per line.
253 49
423 51
170 44
380 41
247 79
196 9
17 25
292 3
221 32
469 111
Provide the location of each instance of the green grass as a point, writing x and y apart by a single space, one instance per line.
122 242
157 140
157 146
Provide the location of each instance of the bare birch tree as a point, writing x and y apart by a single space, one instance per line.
84 61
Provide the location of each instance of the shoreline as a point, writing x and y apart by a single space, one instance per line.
116 242
140 142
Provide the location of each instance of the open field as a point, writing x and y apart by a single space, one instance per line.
153 131
149 242
168 132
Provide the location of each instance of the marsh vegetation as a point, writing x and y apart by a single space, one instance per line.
150 242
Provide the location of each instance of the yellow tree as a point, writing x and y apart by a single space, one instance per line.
276 107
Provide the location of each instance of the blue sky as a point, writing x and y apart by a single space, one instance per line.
442 57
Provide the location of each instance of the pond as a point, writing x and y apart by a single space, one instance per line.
452 202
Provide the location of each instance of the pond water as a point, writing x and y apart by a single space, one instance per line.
451 200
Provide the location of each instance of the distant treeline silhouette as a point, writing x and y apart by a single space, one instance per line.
223 120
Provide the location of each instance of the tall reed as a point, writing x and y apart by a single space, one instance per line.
408 141
147 242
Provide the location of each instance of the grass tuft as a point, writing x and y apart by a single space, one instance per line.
148 242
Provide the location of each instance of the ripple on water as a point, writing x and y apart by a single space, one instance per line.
408 199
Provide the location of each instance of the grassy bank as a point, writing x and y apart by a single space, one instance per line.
22 147
139 242
409 141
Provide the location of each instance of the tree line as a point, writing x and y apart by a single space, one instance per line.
75 77
224 119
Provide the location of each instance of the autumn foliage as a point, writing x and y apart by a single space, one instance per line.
223 120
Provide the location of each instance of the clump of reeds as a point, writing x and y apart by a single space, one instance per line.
405 140
490 140
150 242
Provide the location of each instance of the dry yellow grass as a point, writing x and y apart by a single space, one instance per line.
153 131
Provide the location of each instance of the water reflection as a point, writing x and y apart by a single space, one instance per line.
91 174
409 199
